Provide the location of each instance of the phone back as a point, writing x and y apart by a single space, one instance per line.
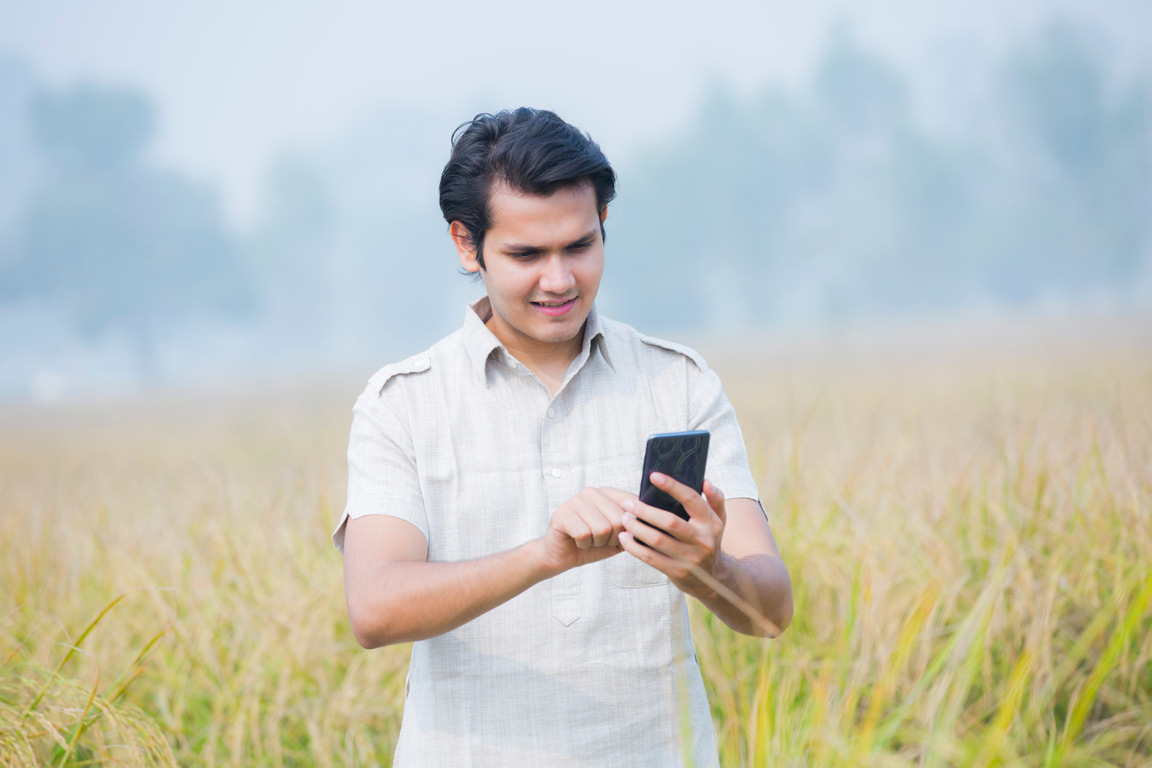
681 455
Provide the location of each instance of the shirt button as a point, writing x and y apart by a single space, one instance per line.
556 472
513 363
551 413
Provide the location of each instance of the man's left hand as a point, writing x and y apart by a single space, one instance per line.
688 546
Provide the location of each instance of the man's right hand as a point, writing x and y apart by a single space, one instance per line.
582 530
395 595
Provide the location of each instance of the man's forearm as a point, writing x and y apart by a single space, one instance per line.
752 595
415 600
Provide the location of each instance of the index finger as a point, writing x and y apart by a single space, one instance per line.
695 504
618 495
606 505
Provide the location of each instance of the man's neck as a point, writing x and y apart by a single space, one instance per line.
548 360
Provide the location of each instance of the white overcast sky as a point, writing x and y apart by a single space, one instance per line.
238 82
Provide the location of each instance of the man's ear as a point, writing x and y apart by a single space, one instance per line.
465 246
603 214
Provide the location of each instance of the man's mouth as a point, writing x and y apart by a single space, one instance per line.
554 308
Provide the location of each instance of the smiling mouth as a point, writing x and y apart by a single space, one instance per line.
554 307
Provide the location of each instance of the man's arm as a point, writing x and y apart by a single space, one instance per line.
395 595
724 555
750 566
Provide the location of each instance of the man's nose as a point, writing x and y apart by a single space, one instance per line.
557 276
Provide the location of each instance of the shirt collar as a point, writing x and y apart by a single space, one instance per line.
480 343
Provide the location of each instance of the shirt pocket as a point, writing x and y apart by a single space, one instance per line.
628 572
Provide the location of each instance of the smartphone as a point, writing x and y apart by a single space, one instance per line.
680 455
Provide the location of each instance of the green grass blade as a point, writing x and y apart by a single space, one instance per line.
1137 612
71 650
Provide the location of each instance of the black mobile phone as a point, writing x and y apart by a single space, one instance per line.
680 455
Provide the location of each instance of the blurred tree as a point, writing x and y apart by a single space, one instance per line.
120 247
707 228
1080 161
93 130
807 209
289 250
17 161
833 204
392 261
859 92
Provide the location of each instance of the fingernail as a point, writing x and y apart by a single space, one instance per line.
658 478
627 518
627 506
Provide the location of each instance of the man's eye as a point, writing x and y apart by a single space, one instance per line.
580 247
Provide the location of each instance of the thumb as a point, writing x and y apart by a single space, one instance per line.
715 498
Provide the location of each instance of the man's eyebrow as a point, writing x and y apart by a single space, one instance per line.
584 240
514 248
526 249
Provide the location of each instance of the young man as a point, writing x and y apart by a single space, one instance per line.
491 516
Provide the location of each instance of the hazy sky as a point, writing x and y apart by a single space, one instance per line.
237 83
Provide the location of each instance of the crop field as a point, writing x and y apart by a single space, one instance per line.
969 537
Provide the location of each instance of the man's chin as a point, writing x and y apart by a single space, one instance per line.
556 333
560 332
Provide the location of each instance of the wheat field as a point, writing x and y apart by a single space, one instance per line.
969 536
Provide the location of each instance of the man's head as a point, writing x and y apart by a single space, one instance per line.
525 195
529 151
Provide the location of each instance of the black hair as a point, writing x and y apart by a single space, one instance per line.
532 151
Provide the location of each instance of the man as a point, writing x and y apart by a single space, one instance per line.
491 516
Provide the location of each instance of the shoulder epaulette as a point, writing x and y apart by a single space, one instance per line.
672 346
414 364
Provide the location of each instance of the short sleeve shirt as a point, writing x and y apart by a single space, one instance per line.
596 666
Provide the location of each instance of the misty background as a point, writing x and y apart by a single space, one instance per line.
192 195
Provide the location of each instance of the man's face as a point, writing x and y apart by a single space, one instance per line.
543 258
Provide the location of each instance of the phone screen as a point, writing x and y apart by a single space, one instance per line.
681 455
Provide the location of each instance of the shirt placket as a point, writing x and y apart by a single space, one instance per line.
556 466
559 476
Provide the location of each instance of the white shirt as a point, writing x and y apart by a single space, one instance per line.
596 666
